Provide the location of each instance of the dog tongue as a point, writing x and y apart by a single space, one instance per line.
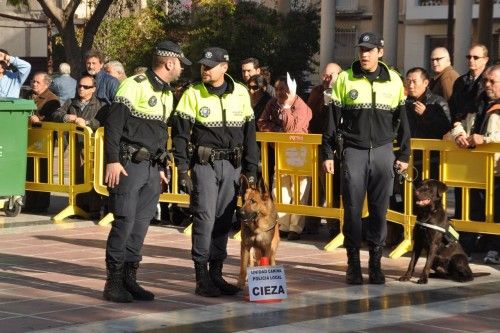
423 202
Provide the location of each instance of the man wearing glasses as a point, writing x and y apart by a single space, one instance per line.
468 98
444 74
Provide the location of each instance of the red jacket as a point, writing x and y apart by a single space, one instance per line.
295 119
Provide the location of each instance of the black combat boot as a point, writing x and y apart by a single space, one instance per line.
114 289
204 285
376 276
216 276
130 281
353 274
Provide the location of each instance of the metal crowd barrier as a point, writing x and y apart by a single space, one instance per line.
464 168
59 169
295 155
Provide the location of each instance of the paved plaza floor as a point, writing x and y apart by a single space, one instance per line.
52 276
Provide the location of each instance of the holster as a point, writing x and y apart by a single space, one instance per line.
131 153
207 155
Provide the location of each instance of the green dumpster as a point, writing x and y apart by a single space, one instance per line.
14 115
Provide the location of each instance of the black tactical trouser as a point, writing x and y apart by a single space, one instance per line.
133 203
213 202
367 171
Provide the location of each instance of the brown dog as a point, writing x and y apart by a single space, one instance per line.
444 253
259 226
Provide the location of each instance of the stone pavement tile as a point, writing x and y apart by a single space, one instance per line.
491 313
35 306
158 305
409 328
465 322
87 314
26 324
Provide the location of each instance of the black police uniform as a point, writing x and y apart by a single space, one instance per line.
219 127
136 136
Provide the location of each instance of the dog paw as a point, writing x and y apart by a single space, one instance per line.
404 278
422 280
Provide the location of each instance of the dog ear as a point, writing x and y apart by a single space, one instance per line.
441 187
264 191
244 184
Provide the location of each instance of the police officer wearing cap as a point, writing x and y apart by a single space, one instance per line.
367 111
213 120
134 145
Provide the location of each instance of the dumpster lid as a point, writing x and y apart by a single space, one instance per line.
17 104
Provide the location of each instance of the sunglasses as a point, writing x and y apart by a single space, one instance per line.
85 86
473 57
252 87
437 59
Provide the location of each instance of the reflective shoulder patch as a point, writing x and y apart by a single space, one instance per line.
139 78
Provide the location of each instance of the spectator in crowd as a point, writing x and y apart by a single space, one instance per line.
362 97
316 102
444 74
428 113
64 86
46 104
225 148
251 67
46 101
468 98
483 130
428 117
115 69
83 110
288 113
12 80
107 85
259 97
265 72
466 101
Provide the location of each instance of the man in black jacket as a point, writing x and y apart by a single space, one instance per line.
428 114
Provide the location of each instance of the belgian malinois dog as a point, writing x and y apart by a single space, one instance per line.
259 226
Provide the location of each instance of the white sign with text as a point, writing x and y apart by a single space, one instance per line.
266 283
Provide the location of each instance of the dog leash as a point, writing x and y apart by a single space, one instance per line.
404 175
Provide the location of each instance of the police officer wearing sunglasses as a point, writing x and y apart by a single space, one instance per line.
135 145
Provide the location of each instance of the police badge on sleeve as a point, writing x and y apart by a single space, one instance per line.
205 111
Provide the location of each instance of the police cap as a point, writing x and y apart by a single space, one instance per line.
170 49
370 40
214 56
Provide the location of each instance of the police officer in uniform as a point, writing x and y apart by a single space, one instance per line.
213 120
135 145
367 113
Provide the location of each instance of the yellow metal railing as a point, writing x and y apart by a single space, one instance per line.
60 172
296 155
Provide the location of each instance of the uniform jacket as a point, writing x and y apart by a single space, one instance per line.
11 82
442 84
434 122
295 119
139 115
89 112
224 122
372 114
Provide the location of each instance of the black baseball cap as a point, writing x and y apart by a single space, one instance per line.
370 40
170 49
214 56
